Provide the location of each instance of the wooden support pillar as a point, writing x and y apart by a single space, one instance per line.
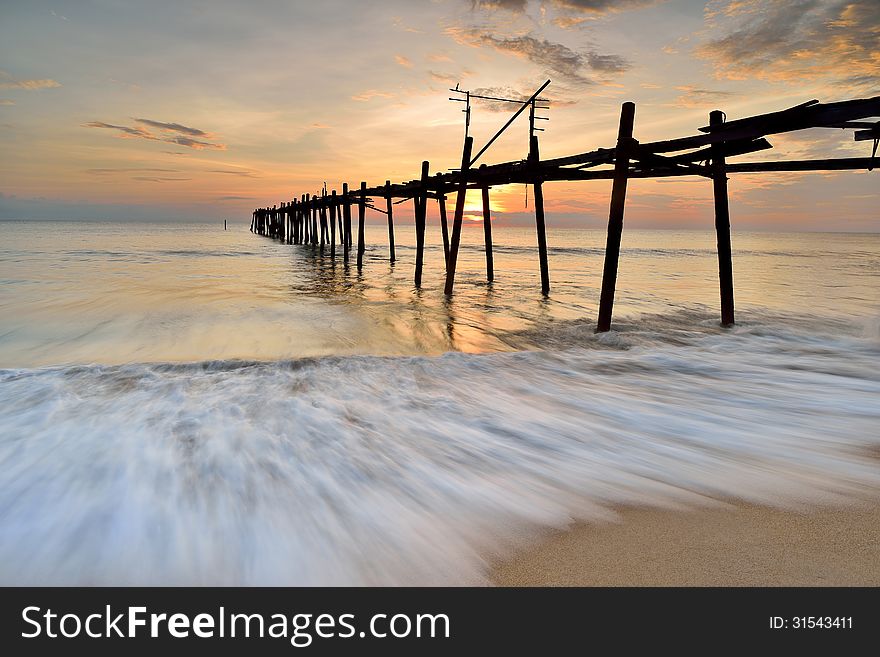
421 215
615 215
340 225
459 214
444 227
362 210
346 213
487 233
305 219
334 210
324 208
722 223
534 161
348 237
315 212
389 210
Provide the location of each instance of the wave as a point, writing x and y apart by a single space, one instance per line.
410 470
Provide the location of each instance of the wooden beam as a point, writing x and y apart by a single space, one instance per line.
346 212
457 217
534 162
332 212
361 212
615 215
390 213
444 227
722 225
487 235
420 220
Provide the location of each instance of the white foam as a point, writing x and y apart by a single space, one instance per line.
405 470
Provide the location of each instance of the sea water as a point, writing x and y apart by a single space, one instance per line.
181 404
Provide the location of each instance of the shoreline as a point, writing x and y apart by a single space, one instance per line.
733 545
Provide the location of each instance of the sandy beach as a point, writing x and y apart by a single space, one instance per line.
731 546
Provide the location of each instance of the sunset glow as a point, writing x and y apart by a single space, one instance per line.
176 111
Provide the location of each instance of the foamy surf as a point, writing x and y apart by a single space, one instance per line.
408 470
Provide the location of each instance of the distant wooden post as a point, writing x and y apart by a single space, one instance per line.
317 210
346 213
389 211
323 237
348 222
421 220
441 204
615 215
534 162
722 223
362 210
306 219
459 214
339 221
333 212
487 233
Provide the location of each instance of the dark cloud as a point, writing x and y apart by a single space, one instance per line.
553 57
143 133
509 5
796 41
585 6
604 6
174 127
195 143
125 130
607 63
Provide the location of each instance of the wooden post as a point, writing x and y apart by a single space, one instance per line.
362 209
333 212
615 215
348 238
388 208
421 215
534 160
722 223
315 219
346 213
306 219
444 228
323 237
459 214
487 233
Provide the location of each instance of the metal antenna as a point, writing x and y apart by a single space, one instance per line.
531 103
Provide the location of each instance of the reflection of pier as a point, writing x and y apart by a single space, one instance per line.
316 219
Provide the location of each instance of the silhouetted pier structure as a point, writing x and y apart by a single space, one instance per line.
305 220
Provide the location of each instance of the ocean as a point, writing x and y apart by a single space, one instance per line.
181 404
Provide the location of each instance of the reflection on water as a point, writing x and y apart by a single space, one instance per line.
111 293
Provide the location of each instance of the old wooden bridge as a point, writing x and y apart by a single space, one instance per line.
323 219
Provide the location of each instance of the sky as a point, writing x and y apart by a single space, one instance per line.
183 111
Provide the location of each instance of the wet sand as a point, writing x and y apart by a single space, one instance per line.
731 546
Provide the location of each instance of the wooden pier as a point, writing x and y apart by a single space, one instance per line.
707 154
